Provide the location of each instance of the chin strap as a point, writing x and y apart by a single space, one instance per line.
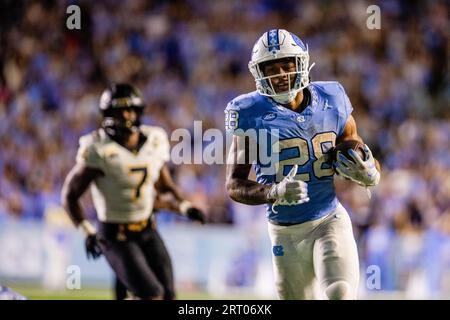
369 193
285 98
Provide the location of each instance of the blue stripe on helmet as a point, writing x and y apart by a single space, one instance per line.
298 41
273 40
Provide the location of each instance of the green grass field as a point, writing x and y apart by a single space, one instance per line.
34 292
37 293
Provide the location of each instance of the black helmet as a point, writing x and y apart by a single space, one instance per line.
113 100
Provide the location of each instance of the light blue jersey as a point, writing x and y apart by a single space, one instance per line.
303 139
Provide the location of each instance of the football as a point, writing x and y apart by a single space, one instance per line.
345 146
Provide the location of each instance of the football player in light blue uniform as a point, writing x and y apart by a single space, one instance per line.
314 252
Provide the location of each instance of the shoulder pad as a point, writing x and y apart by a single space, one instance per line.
90 138
153 130
244 101
334 91
88 150
158 139
330 88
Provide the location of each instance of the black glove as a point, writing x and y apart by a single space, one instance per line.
93 248
195 214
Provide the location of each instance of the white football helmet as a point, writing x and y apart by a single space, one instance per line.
277 44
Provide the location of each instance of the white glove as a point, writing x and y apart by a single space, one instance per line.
362 172
289 192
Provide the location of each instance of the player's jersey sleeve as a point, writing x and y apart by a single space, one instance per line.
162 142
159 141
88 154
344 109
238 116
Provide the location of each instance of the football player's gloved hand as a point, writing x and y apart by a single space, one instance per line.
363 172
92 242
196 214
93 249
191 212
289 191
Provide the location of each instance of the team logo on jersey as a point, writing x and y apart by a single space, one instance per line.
301 118
278 251
326 105
269 116
111 153
84 155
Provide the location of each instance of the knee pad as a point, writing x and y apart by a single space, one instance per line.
339 290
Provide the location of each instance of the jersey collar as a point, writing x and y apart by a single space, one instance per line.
142 140
311 107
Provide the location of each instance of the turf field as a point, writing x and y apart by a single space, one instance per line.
37 293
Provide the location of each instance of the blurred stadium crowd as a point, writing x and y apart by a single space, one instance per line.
190 58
